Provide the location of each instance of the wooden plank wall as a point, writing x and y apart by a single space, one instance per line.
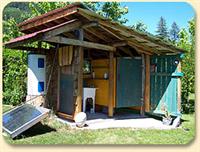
51 96
52 100
71 69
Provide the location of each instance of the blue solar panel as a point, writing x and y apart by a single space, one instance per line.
22 117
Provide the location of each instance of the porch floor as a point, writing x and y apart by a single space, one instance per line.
135 121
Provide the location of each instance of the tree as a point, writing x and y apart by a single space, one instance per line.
174 32
14 67
187 42
162 31
17 10
113 11
140 26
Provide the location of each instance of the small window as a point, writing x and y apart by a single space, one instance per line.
87 67
40 86
40 62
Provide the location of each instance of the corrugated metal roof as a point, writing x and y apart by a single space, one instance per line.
36 35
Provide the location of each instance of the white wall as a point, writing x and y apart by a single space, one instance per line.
36 74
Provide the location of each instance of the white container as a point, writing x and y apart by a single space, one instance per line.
36 74
80 119
105 75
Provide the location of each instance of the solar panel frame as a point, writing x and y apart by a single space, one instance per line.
27 125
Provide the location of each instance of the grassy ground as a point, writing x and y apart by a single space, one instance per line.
50 131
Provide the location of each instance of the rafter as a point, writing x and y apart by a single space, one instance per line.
63 40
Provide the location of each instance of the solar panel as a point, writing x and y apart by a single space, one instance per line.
22 118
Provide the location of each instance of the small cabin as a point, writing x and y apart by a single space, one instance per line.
127 68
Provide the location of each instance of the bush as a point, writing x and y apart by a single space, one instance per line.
14 76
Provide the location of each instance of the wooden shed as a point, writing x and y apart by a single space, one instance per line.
129 68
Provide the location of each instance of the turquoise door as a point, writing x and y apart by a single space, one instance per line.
129 82
164 84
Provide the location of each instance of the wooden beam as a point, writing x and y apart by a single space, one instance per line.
139 49
127 51
147 84
110 32
91 37
33 49
90 24
62 40
80 75
72 25
98 35
120 43
65 116
111 84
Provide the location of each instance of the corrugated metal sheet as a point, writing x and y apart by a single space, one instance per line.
66 94
164 84
129 82
36 34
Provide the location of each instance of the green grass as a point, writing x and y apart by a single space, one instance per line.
7 108
50 131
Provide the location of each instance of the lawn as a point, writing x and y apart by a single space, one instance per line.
50 131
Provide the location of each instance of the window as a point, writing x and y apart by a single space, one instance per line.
40 62
87 67
40 86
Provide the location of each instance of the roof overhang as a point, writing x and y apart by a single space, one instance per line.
76 16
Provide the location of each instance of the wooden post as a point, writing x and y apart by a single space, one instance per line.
143 85
179 90
58 90
147 84
80 76
111 84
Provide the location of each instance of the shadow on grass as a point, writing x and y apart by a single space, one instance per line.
37 129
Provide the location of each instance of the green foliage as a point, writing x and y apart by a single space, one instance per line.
10 30
14 76
11 12
38 8
14 65
140 26
162 31
17 10
187 42
113 11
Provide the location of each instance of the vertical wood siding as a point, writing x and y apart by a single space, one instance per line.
164 84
